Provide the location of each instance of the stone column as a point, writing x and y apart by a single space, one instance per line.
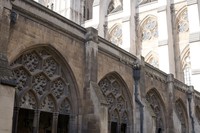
191 108
165 40
55 122
194 42
15 119
91 48
170 107
36 121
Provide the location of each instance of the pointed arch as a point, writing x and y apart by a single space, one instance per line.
118 97
148 28
181 113
155 100
115 34
186 65
182 23
48 103
29 100
49 77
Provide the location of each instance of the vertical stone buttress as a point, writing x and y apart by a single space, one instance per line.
7 92
191 109
95 109
165 30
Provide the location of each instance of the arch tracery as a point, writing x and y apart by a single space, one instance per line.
182 115
118 103
44 83
156 104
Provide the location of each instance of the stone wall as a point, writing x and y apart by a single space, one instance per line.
91 59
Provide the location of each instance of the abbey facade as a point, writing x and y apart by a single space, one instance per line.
58 77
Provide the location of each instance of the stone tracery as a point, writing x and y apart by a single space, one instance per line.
149 29
179 109
37 70
117 102
155 103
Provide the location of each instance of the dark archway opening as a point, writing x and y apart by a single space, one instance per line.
159 130
63 124
123 128
113 127
45 125
25 121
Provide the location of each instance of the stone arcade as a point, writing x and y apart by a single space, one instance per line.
67 79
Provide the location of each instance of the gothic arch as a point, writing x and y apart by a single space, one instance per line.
182 24
119 102
181 112
148 28
48 79
154 98
186 65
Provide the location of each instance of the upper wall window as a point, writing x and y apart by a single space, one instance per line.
182 21
187 68
116 35
149 29
114 6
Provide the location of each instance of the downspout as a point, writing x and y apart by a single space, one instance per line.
136 77
190 109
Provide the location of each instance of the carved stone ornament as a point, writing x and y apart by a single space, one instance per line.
48 104
58 87
31 61
21 78
65 107
50 67
149 29
28 101
183 24
39 83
